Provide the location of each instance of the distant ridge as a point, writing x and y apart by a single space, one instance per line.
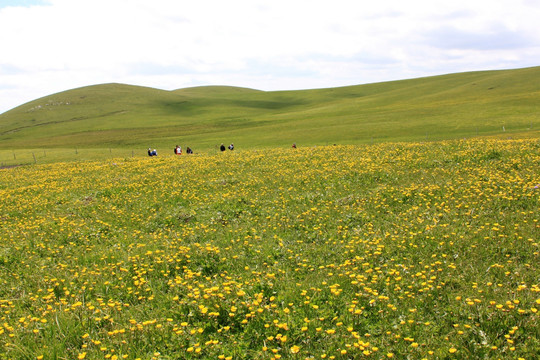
438 107
209 90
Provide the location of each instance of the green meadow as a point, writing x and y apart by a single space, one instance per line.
423 250
404 226
129 119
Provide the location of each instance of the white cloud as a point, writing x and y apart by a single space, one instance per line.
267 45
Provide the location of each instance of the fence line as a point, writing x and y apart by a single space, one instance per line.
13 157
37 156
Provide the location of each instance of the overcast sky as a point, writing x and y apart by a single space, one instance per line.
54 45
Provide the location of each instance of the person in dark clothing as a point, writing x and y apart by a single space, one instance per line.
188 150
231 147
222 147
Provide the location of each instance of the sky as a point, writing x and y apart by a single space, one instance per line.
48 46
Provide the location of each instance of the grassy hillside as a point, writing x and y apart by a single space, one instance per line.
132 117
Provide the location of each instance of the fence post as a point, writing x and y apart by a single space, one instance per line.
34 155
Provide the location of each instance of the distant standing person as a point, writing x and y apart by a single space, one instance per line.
188 150
178 150
231 147
222 147
294 146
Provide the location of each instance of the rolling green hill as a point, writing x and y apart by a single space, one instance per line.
125 116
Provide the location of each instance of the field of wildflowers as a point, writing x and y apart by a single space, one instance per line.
418 250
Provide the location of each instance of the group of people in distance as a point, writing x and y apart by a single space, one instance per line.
230 147
178 150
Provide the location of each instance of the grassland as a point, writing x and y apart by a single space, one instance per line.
131 118
398 250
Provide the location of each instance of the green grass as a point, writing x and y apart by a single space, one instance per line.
133 118
424 249
397 250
